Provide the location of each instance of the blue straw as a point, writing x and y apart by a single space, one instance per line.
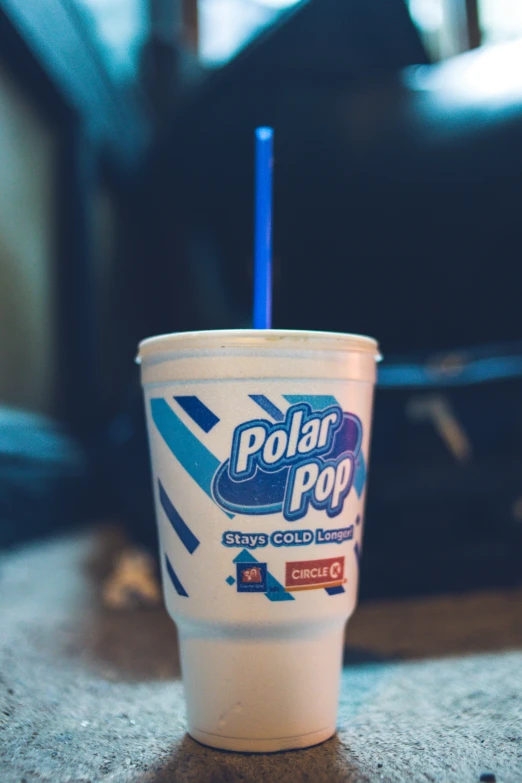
263 230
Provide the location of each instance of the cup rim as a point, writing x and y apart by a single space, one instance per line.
256 338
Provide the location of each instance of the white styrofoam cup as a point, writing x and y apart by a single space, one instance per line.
260 446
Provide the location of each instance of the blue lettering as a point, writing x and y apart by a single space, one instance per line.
273 446
333 536
303 453
291 538
324 485
245 540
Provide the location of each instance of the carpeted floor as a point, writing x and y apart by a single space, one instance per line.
432 690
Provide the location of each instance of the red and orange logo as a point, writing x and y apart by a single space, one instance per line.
252 574
314 574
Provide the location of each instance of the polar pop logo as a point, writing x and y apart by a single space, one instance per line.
307 460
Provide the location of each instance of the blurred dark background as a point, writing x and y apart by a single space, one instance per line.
126 181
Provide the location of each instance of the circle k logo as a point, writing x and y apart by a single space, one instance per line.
314 574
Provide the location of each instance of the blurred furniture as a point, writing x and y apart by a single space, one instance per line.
44 478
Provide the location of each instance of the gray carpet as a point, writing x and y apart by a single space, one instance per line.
432 690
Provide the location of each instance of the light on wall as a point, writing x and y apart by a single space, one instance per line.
226 26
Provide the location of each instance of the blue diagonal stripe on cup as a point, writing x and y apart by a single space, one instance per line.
335 590
178 587
268 406
275 590
316 401
197 460
187 537
198 412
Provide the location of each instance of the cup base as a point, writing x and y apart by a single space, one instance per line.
264 744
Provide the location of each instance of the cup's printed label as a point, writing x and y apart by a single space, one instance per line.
314 574
251 577
306 455
306 460
279 538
